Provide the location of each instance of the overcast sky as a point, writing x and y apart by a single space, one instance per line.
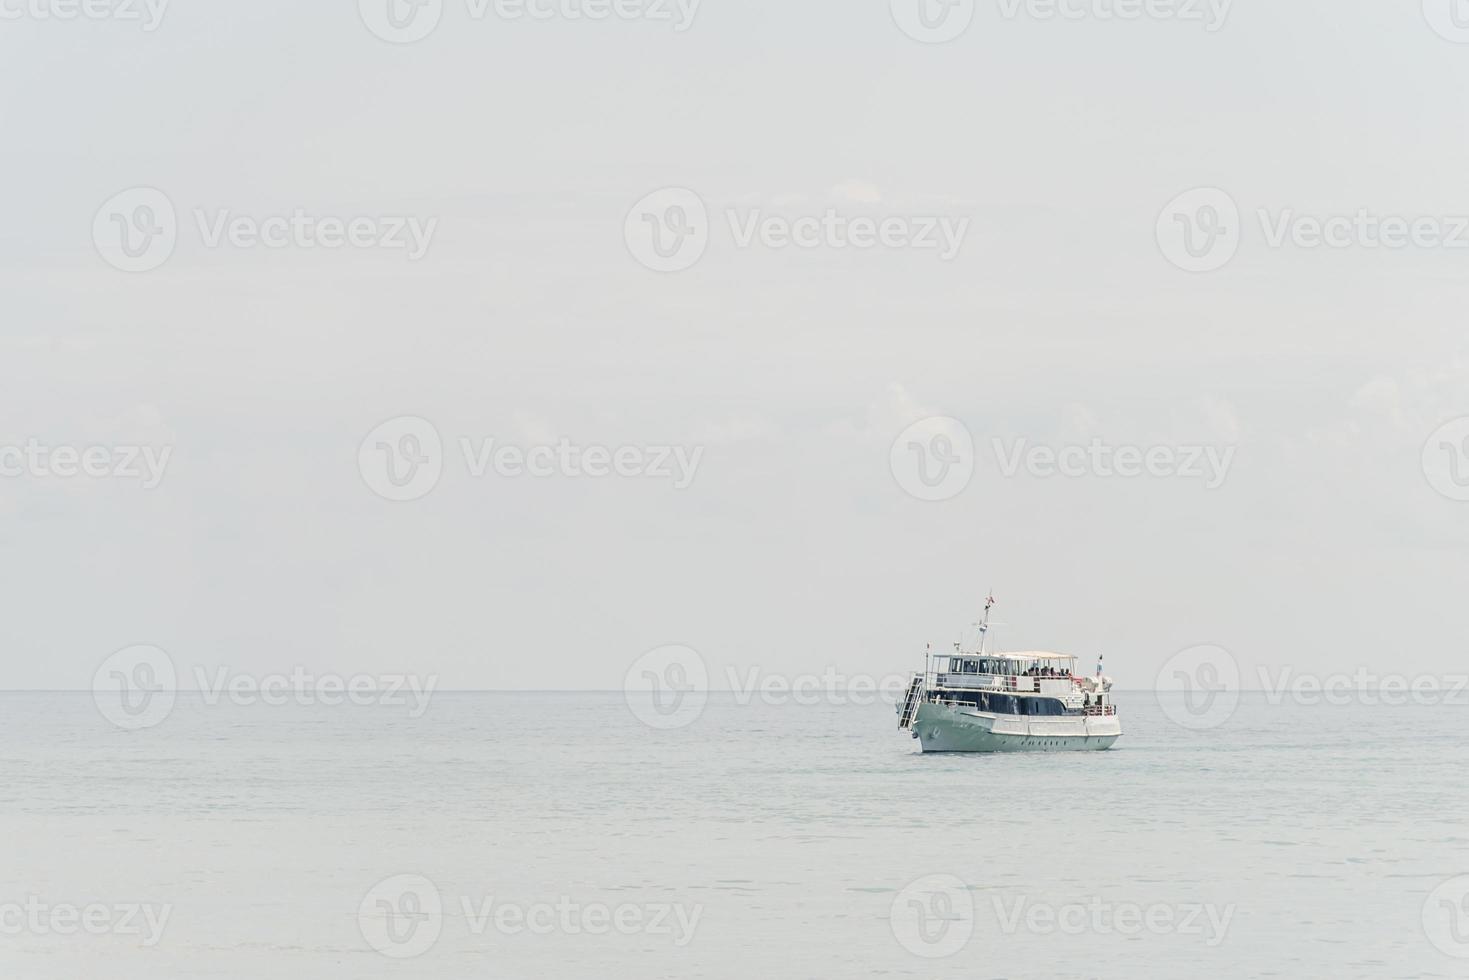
1332 539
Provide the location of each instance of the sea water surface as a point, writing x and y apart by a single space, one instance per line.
560 836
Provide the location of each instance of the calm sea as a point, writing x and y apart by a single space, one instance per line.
556 835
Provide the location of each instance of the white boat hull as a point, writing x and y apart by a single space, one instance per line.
945 728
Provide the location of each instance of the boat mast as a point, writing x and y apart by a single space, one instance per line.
984 626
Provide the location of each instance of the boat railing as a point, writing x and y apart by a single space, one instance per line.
1018 683
1100 709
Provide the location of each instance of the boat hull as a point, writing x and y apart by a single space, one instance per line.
944 728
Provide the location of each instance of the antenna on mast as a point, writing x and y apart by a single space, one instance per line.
984 626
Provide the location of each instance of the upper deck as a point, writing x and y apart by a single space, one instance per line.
1052 674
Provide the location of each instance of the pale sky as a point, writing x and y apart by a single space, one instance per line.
529 320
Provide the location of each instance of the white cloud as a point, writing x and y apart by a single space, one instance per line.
743 428
854 191
533 429
1222 418
788 200
1382 397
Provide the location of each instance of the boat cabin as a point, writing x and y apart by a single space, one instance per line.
1016 684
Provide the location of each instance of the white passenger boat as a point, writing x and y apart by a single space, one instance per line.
977 701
